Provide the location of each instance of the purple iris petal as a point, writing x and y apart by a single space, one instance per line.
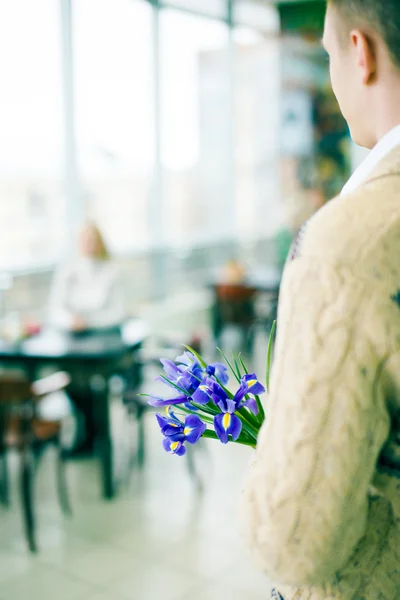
168 418
187 358
171 369
220 371
171 427
216 392
252 405
174 447
202 394
252 384
177 437
219 429
240 394
227 424
186 377
174 433
227 405
196 373
156 401
235 427
194 428
162 421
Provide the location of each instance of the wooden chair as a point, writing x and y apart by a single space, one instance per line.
22 430
234 304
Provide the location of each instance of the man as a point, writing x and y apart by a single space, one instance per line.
321 504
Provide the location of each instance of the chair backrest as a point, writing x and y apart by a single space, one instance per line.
235 303
15 388
235 292
15 396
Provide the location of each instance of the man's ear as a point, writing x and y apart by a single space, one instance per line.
365 55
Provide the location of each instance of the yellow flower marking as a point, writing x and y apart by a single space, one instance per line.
187 430
226 421
174 446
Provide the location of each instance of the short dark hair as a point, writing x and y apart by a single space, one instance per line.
381 15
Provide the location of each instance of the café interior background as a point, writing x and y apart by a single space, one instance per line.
196 134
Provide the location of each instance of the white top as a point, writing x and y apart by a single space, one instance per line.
90 289
382 148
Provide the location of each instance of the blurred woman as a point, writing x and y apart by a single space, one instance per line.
86 292
86 296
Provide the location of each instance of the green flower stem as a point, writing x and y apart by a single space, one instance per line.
213 436
248 427
229 365
197 355
261 411
271 339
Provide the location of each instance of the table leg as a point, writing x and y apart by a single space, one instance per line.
103 440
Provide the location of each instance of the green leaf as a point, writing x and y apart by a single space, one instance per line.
229 365
237 366
261 412
241 440
210 434
242 363
271 339
197 355
249 421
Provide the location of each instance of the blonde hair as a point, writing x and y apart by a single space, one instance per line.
102 252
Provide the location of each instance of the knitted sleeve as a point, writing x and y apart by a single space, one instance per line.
305 502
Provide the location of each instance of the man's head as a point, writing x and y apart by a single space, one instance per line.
362 38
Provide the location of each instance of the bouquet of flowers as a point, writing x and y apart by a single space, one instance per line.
201 405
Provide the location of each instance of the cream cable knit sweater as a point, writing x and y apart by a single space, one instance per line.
321 514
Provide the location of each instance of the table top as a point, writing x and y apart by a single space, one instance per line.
58 345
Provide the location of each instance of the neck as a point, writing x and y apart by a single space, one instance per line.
388 110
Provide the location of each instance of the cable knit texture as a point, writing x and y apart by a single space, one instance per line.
320 506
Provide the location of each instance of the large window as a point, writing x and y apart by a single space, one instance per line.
212 8
32 199
114 99
196 121
257 120
155 119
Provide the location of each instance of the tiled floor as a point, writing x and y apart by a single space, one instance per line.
160 538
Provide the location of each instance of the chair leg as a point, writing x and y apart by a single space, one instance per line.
62 489
26 482
5 497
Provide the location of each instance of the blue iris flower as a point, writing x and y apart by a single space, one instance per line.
186 377
177 433
249 384
187 374
209 389
193 365
227 423
219 371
